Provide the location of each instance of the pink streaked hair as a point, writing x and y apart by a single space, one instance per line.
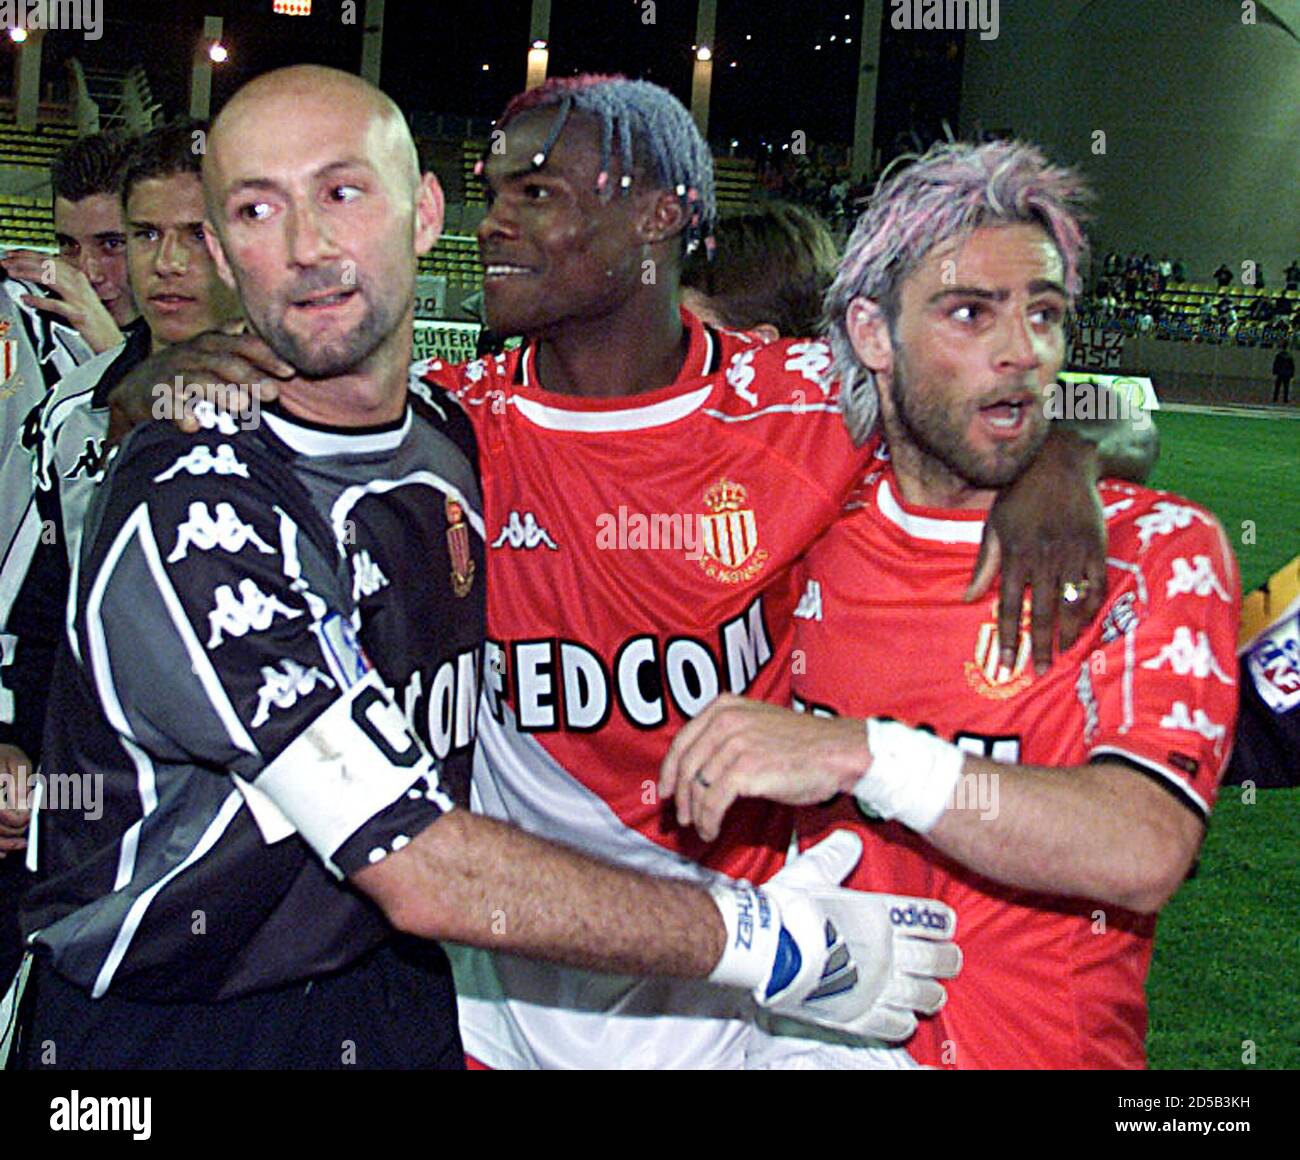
950 191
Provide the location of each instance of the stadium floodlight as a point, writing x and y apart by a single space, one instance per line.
18 35
704 52
218 53
539 44
291 7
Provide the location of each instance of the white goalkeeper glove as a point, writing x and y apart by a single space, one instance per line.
844 959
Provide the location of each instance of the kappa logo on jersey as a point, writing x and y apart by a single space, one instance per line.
32 436
1197 578
253 611
1180 717
729 535
986 674
92 460
207 416
1167 517
367 577
1189 656
282 687
1274 664
812 360
1121 618
810 603
201 460
523 532
740 374
226 531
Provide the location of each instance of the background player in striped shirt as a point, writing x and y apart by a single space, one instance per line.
55 313
1056 810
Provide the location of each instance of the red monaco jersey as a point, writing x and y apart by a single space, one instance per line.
1047 982
641 561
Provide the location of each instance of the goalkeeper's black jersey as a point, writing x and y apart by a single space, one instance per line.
263 622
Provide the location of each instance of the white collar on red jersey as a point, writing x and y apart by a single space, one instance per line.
936 528
601 415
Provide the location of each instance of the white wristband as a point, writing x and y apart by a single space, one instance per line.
753 931
912 775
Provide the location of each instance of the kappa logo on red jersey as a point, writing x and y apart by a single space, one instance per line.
1168 517
1187 720
1189 655
986 674
729 535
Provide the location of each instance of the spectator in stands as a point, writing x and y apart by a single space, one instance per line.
1132 276
87 284
1180 271
1283 373
1166 269
1111 266
1223 275
770 269
1292 274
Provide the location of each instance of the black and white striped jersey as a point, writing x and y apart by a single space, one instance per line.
67 441
264 622
36 351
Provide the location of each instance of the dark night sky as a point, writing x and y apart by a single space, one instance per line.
434 53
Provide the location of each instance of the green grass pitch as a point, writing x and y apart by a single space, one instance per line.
1224 970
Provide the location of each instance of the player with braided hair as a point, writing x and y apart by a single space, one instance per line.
655 134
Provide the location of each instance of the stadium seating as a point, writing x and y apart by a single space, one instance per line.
35 148
26 222
455 257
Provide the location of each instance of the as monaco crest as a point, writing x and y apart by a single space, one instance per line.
729 535
986 674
